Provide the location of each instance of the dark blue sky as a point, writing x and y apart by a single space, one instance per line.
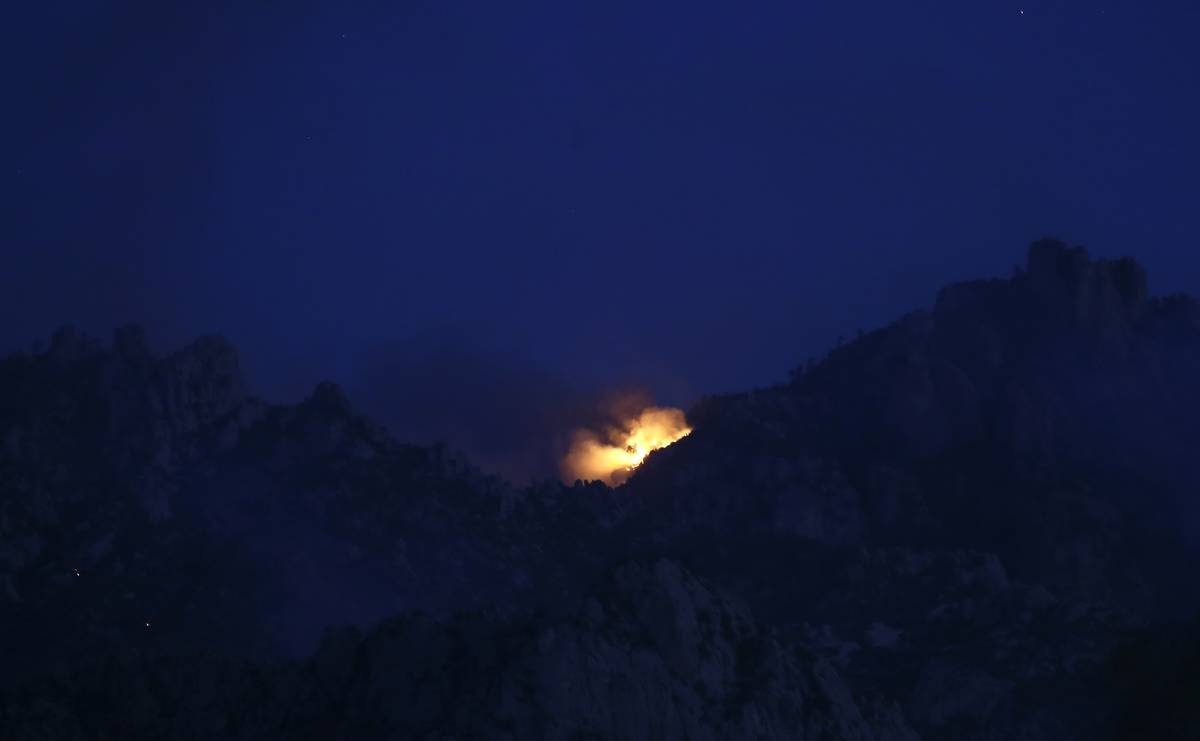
689 195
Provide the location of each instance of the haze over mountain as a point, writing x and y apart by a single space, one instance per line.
977 522
604 192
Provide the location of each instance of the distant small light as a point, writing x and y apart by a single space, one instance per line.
76 571
147 624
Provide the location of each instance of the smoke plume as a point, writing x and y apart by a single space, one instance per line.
613 454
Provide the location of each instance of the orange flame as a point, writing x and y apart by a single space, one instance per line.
613 459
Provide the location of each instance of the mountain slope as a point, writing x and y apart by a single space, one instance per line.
1048 418
952 527
654 655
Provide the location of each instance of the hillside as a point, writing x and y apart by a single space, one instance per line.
969 524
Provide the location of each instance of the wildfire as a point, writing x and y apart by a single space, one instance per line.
613 456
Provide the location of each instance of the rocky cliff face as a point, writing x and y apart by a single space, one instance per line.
141 489
970 507
1045 418
655 654
950 528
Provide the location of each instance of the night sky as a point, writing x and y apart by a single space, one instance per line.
691 197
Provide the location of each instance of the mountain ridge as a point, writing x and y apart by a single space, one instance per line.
962 515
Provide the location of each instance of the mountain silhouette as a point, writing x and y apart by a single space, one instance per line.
977 522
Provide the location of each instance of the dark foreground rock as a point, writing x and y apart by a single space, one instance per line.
655 654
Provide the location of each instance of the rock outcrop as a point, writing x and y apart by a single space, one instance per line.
654 655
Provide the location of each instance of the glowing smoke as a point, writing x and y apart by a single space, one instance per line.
612 456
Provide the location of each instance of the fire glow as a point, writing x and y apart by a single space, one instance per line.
611 457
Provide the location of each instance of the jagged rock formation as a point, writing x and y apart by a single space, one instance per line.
1038 427
654 655
139 489
946 529
1045 418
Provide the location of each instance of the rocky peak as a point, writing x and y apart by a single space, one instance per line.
1053 264
129 342
202 382
1107 295
69 346
329 397
1062 293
